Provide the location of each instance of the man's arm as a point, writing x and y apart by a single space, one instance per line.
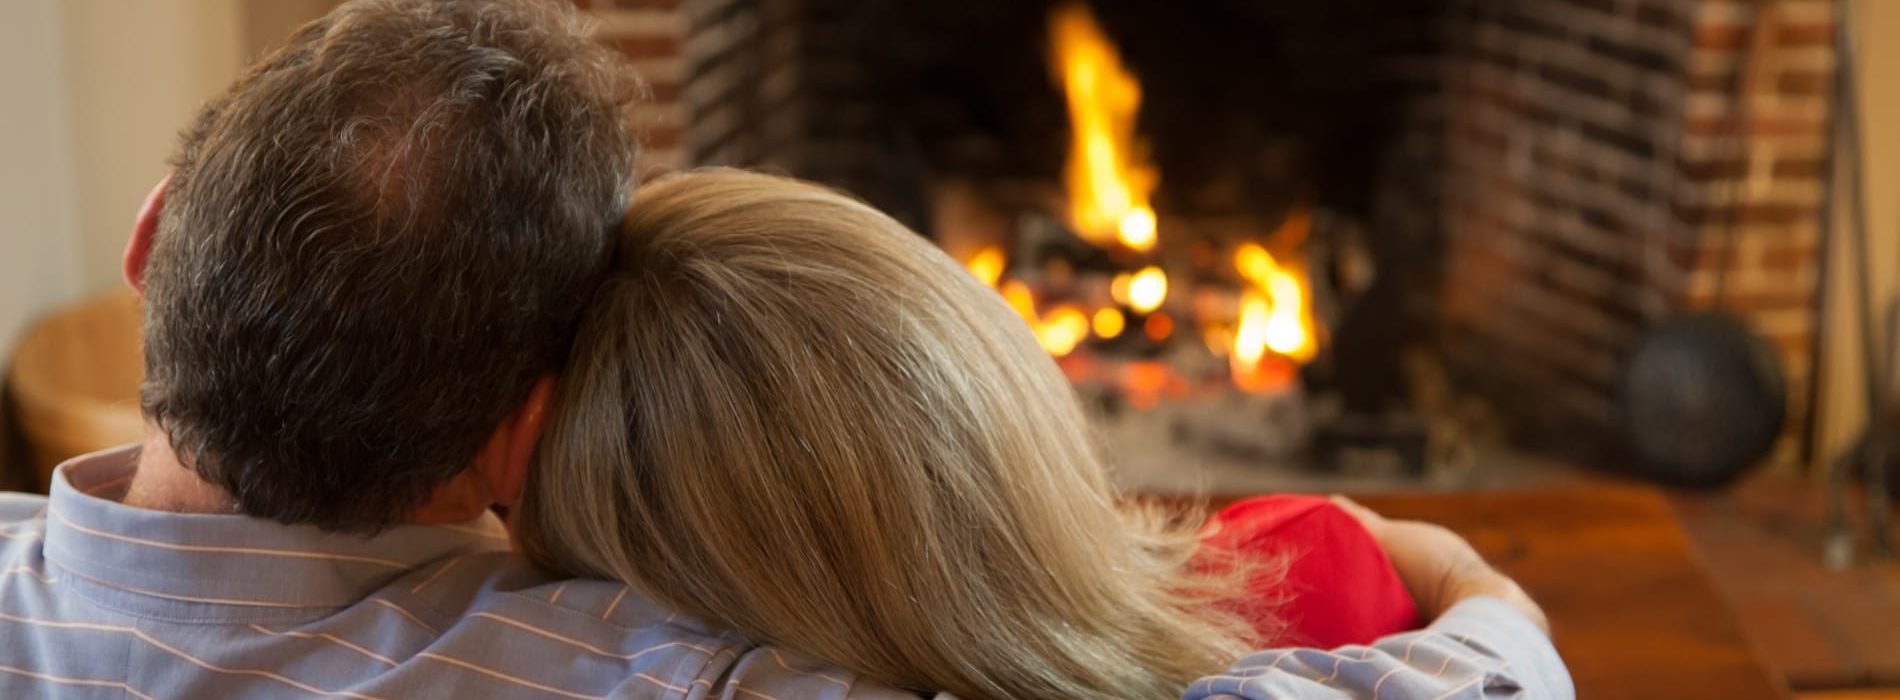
769 672
1482 647
1487 639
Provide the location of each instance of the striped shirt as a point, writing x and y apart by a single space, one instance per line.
1482 648
102 600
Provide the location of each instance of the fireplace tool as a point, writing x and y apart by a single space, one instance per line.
1873 453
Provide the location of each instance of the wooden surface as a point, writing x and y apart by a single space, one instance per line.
1821 629
1634 611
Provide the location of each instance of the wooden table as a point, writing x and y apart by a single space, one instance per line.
1630 601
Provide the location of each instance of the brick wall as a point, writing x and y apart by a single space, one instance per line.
1752 177
755 83
652 33
1597 182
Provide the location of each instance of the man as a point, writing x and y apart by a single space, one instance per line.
358 283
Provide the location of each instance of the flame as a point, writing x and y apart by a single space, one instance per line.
987 264
1147 289
1107 176
1021 299
1064 327
1274 315
1250 339
1108 322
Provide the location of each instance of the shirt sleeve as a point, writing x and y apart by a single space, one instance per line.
1481 648
769 673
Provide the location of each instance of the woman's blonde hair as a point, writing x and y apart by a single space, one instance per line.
788 414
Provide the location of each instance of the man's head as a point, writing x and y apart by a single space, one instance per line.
373 247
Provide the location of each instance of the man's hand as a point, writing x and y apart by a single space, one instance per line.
1438 567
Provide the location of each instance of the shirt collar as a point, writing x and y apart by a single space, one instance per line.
173 559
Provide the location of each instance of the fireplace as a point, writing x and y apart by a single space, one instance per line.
1317 235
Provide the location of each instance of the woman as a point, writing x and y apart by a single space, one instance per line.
789 415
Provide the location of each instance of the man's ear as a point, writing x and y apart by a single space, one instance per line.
144 231
519 435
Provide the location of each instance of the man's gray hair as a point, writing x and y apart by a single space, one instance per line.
374 244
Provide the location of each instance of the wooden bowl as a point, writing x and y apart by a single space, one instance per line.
75 381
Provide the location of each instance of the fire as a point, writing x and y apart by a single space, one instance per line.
1275 314
1108 322
987 264
1063 328
1108 179
1147 289
1020 299
1250 340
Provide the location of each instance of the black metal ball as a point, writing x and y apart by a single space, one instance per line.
1702 400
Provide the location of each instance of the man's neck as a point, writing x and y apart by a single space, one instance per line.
161 482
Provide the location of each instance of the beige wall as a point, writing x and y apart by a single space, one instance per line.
39 258
96 91
1841 403
136 72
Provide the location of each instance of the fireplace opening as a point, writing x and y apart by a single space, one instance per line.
1375 237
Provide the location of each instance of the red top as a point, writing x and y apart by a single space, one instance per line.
1338 587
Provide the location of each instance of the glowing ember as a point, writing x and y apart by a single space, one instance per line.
1020 299
1065 328
1137 228
1158 327
1147 289
987 265
1108 322
1059 331
1108 179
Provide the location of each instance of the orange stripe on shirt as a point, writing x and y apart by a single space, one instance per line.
296 554
584 645
193 660
328 638
405 613
511 679
64 680
195 599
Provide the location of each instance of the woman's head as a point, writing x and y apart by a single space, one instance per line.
789 414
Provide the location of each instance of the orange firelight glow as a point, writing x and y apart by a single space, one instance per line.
1108 176
1158 327
987 264
1275 315
1147 289
1062 328
1108 322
